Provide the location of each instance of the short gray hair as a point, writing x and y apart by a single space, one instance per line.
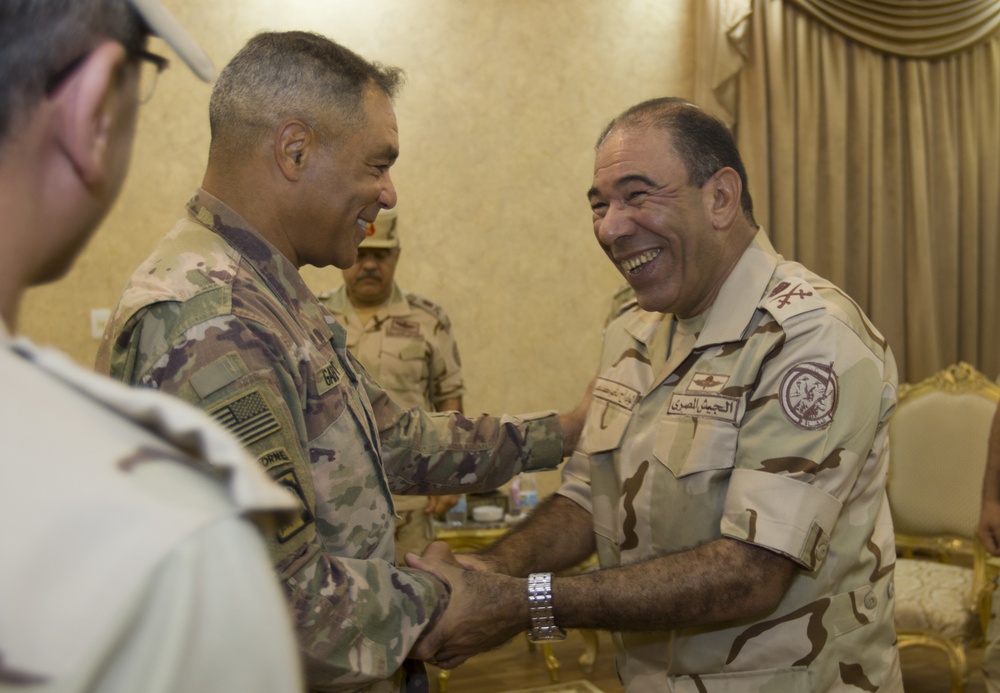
291 74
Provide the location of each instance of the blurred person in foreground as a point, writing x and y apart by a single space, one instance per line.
405 343
731 472
303 136
127 559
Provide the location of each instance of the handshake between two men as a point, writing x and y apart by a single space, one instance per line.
491 596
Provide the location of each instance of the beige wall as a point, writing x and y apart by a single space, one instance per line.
503 102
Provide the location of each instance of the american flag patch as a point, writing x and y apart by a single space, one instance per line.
247 417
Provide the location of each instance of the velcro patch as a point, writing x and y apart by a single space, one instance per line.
247 416
218 374
808 395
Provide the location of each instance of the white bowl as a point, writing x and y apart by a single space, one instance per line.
487 513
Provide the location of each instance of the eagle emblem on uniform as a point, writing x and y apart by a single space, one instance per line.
707 382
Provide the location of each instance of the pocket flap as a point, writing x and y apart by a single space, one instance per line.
687 445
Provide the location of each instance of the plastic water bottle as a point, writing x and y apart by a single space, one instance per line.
527 493
457 514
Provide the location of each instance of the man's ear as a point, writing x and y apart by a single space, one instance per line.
89 106
294 142
723 192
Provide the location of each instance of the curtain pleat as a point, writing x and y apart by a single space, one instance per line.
908 28
882 174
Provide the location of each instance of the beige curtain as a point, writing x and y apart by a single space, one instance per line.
872 142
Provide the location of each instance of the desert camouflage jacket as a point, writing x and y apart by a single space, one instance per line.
408 346
218 317
764 419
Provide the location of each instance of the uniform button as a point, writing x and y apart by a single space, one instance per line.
871 601
891 590
821 551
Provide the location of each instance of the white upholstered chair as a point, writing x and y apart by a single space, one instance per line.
943 582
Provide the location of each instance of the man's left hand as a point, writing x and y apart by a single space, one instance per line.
485 609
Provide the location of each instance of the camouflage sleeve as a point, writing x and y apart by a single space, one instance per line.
356 618
446 364
429 453
811 425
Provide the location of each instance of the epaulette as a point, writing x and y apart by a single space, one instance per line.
426 305
790 297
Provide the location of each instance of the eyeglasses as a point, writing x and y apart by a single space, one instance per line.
150 67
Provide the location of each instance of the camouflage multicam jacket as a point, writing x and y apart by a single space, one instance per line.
765 420
218 317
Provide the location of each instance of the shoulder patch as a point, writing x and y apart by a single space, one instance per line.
276 457
297 521
247 416
791 297
808 395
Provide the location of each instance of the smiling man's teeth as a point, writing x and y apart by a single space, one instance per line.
633 263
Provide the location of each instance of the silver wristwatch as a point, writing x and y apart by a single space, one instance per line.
543 625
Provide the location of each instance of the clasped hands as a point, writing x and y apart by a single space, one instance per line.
486 608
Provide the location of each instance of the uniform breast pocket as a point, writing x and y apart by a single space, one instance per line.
605 427
405 358
687 445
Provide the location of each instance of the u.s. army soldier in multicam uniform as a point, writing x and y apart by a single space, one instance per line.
303 136
731 472
128 558
405 343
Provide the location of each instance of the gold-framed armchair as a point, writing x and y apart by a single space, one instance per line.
938 444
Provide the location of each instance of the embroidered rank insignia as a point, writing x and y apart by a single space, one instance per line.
401 327
808 395
785 293
248 417
303 517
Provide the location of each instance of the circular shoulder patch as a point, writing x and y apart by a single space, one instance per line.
808 395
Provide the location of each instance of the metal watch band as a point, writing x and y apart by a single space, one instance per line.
543 625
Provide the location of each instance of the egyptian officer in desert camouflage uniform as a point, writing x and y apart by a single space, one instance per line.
303 137
731 473
405 343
